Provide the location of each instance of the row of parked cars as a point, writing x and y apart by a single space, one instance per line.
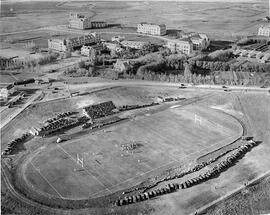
61 124
14 143
131 107
230 160
217 169
102 123
147 195
59 116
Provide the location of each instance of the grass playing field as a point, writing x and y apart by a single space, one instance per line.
165 139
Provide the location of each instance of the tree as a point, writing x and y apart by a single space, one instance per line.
93 57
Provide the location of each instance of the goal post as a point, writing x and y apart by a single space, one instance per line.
198 119
80 160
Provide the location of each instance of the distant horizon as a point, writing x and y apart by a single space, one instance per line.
218 1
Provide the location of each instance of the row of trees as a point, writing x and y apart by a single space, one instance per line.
129 53
30 63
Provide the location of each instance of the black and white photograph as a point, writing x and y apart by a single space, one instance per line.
147 107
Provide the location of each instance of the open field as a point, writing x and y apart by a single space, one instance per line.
210 17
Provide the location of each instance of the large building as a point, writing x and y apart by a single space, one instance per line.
86 50
153 29
264 30
133 44
68 44
189 42
200 41
80 21
181 46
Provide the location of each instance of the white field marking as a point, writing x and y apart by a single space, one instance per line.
175 106
38 170
102 176
89 173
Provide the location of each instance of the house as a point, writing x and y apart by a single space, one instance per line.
266 58
160 99
121 65
6 91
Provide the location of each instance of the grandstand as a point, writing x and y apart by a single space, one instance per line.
99 110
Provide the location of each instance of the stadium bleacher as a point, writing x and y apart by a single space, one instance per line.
99 110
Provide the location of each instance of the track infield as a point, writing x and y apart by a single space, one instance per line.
164 139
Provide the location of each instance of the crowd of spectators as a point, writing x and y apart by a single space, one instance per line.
99 110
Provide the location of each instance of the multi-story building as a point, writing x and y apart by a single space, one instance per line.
98 24
133 44
264 30
200 41
181 46
68 44
153 29
80 21
86 50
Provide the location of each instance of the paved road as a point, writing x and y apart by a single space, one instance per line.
152 83
203 209
19 110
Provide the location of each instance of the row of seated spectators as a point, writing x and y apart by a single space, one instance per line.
131 107
215 170
102 123
100 110
59 116
14 143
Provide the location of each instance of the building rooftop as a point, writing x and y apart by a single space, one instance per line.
266 26
148 23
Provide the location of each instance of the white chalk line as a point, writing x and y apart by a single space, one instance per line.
38 170
89 173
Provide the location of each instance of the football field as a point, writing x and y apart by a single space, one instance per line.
97 163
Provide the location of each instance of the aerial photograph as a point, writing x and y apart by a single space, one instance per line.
128 107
